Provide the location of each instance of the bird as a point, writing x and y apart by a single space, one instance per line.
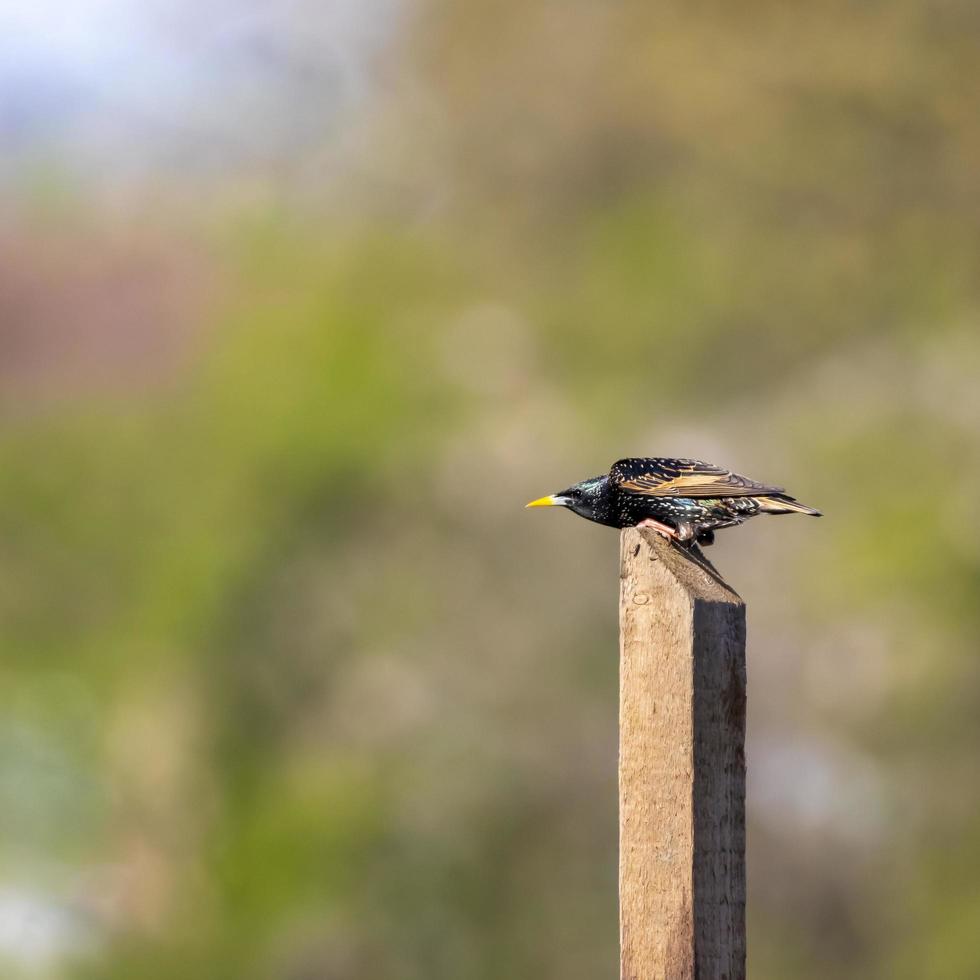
685 500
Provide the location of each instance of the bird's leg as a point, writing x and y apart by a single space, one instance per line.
685 532
665 529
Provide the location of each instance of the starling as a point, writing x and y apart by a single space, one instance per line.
683 499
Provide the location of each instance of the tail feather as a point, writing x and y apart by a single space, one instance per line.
785 505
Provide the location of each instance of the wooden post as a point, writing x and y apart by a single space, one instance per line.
681 766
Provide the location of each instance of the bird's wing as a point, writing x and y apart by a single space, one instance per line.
683 478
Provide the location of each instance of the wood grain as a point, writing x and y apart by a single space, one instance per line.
681 766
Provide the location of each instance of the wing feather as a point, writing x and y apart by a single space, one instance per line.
668 477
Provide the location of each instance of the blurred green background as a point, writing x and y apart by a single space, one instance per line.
300 303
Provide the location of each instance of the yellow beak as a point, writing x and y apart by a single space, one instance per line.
551 501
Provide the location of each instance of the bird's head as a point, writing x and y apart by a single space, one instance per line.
583 498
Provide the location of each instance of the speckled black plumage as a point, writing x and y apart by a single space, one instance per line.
692 499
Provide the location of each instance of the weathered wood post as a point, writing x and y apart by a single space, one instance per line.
681 767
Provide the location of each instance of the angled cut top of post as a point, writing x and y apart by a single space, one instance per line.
692 573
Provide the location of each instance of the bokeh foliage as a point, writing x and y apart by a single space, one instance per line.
294 688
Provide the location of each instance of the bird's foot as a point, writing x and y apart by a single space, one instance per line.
665 530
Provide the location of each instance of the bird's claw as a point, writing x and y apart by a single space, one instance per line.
664 530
